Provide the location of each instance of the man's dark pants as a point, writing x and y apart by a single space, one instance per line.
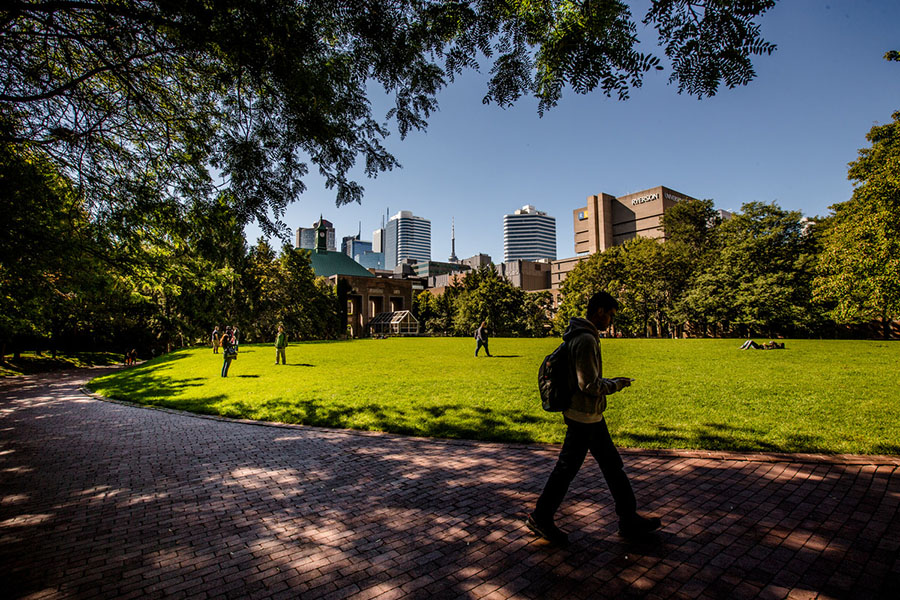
581 438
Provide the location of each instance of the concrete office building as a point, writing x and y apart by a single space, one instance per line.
527 275
608 221
406 236
560 268
529 234
477 261
431 268
305 237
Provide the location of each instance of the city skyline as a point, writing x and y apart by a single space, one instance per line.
786 137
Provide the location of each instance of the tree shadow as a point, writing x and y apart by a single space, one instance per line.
456 421
723 436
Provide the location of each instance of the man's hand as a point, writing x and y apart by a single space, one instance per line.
622 382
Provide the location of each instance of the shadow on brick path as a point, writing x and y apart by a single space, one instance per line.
104 500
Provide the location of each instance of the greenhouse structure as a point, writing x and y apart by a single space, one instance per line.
400 322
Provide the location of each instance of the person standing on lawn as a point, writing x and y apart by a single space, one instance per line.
228 350
481 338
280 345
587 429
215 339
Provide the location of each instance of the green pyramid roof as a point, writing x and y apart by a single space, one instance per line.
327 263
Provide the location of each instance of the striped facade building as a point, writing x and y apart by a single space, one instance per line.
529 234
406 236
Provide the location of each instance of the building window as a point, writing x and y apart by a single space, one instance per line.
582 215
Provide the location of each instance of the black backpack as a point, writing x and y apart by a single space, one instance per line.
554 380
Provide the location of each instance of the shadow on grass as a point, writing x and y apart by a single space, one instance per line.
450 421
30 364
299 365
720 436
144 384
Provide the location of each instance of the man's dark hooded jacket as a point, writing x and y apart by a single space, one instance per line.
589 400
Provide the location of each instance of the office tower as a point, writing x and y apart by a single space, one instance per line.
355 247
529 234
347 242
609 221
406 236
378 240
306 236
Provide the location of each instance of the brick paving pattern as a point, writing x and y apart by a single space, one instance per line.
105 500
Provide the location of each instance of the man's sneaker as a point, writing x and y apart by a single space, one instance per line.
548 531
636 525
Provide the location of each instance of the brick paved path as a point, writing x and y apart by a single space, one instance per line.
103 500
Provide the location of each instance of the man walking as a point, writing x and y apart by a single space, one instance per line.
587 429
280 345
481 338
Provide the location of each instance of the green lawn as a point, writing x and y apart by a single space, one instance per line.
815 396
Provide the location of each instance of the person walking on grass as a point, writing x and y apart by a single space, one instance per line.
216 336
229 351
481 338
587 431
280 345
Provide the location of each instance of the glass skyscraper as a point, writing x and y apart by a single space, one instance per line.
529 234
306 236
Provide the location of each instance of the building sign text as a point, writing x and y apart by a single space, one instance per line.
643 199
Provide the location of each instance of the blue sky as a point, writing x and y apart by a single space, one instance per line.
787 138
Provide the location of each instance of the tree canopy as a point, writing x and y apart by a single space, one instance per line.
147 103
859 267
